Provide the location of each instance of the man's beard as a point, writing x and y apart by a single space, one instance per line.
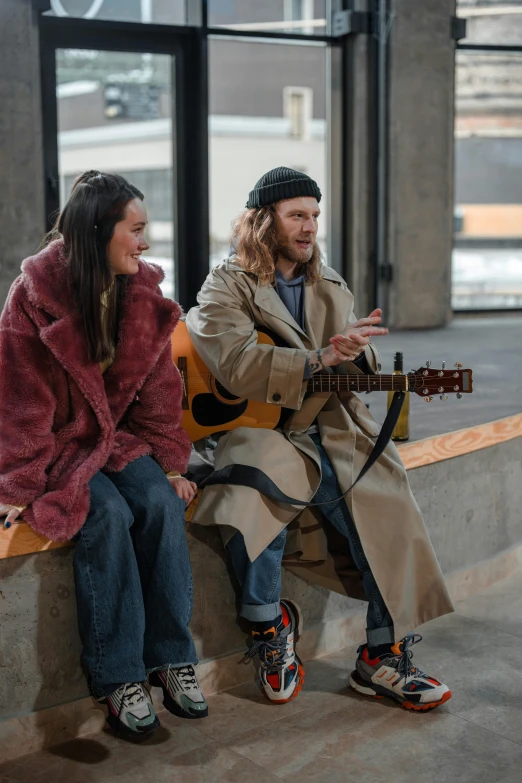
293 254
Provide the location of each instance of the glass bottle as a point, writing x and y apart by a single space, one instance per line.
402 428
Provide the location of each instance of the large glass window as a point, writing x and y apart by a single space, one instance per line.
492 21
487 259
307 17
267 109
115 114
147 11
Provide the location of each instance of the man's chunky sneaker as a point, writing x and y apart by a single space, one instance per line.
280 670
181 693
131 714
394 675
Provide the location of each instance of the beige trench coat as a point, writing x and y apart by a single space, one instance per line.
232 304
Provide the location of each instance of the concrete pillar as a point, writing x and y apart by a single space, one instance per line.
421 110
358 185
21 164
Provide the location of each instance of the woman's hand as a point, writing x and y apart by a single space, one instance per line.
10 512
184 489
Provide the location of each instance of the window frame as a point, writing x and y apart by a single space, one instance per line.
188 45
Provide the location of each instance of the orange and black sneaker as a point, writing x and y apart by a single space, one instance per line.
394 675
280 670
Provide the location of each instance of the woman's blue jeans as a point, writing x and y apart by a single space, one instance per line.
133 578
261 580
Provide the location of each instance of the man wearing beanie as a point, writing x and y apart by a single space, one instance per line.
372 544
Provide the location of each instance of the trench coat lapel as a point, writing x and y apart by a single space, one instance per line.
267 299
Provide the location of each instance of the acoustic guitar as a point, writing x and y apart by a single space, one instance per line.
208 407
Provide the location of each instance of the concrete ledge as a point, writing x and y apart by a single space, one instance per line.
21 540
37 730
471 504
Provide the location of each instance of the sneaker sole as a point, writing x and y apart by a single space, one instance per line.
357 684
171 704
173 707
125 733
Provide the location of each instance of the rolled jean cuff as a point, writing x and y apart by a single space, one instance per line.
379 636
260 613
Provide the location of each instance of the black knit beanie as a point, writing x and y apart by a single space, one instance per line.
279 184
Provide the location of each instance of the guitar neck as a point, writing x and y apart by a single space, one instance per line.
330 382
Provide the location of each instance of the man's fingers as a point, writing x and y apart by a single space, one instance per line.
346 345
351 342
345 348
367 331
370 321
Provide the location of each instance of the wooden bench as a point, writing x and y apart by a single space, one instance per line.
20 539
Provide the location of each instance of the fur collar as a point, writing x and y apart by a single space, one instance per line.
146 325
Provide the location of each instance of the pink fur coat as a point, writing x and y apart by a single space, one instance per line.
61 421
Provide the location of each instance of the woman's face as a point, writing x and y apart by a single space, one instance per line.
128 241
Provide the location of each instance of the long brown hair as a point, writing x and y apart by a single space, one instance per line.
86 223
255 241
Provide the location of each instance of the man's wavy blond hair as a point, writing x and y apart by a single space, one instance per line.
254 239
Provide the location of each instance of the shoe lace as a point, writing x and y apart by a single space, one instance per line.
271 653
133 693
187 676
403 661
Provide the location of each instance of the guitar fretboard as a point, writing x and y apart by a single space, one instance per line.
356 383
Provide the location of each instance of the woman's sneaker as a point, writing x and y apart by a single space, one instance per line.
394 675
182 695
131 714
280 670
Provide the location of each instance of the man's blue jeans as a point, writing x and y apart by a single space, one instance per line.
133 578
261 580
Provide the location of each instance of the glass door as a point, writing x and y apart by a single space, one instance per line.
115 113
132 99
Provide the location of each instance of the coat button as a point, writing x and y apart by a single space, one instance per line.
276 397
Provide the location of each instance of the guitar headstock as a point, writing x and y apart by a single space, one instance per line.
427 381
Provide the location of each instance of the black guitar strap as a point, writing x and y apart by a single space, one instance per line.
248 476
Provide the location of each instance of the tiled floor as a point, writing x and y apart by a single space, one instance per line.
330 735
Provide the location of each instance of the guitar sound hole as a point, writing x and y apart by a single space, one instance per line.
210 412
224 392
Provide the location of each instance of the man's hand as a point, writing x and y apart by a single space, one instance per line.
350 343
184 489
11 513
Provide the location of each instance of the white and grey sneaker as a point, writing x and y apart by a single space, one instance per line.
131 713
181 693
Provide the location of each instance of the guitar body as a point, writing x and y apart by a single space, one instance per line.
207 406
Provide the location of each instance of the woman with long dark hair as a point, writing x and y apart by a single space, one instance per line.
91 446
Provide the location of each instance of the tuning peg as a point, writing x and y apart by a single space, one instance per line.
428 363
458 365
444 396
459 396
428 399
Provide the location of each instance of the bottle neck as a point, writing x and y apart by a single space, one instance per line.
397 364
